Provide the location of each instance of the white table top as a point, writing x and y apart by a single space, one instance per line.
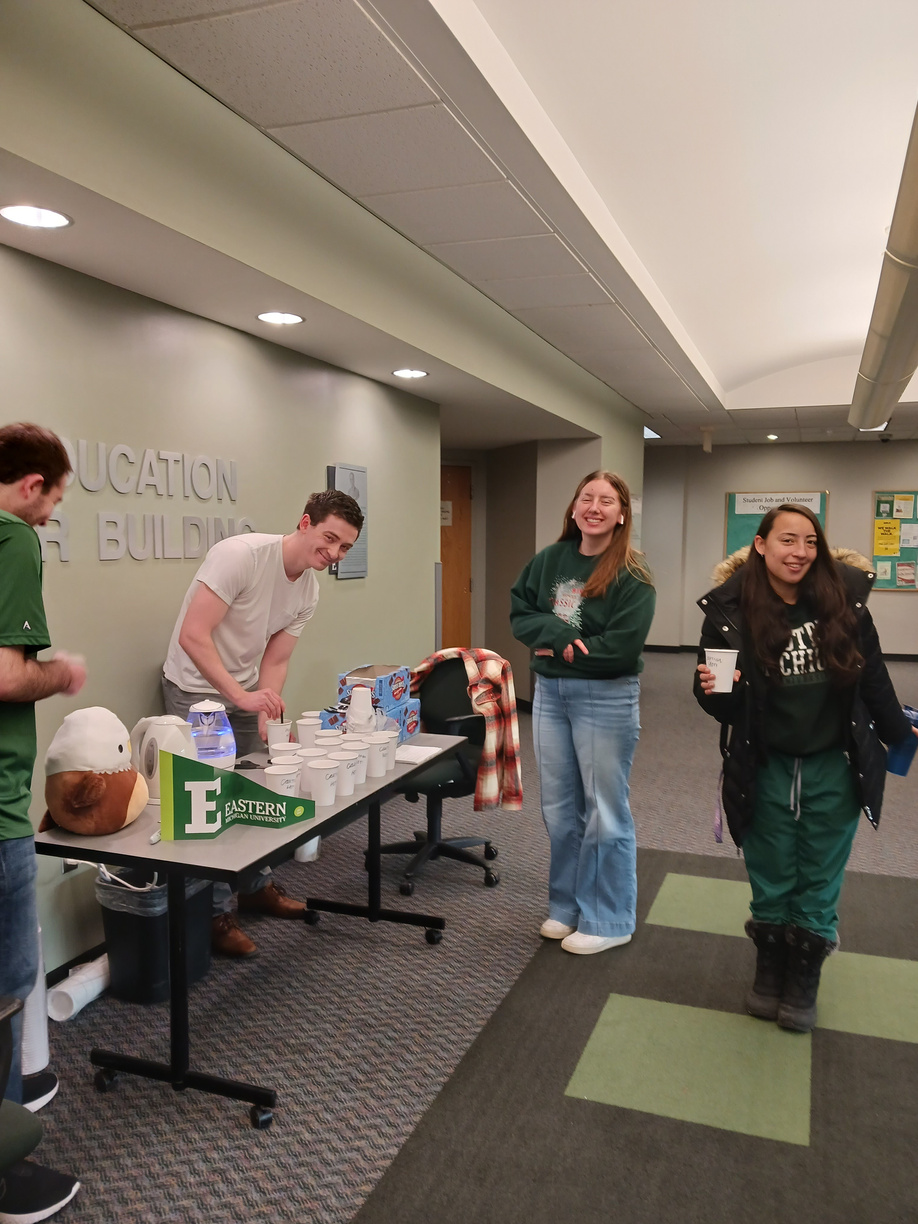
240 847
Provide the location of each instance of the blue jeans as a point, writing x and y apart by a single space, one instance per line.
18 938
585 733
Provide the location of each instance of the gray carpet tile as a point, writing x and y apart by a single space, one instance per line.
359 1026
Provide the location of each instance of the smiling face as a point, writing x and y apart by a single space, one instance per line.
321 544
597 513
789 551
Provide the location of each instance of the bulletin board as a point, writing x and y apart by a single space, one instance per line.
745 511
895 540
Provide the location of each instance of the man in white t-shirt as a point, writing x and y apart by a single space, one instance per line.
233 639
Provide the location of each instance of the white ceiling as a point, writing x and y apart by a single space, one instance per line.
689 200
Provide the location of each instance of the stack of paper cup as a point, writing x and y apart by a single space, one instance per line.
347 772
283 778
323 781
306 729
378 754
361 750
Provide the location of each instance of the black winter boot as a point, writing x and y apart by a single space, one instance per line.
771 959
805 953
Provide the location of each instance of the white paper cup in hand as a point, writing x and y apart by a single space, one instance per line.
723 664
283 778
323 781
362 751
347 772
278 729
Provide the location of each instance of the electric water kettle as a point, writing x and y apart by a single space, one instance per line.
212 734
167 732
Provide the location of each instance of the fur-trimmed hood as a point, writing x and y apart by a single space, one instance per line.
845 556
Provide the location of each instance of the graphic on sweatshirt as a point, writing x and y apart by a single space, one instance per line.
566 600
800 663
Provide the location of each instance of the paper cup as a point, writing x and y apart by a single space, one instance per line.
311 714
306 755
328 735
286 758
279 730
306 729
723 664
282 778
377 754
347 771
323 781
391 745
282 747
362 751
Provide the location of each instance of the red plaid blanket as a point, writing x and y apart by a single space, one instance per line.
491 692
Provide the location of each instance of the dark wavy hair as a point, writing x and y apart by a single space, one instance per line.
618 553
333 501
32 450
823 589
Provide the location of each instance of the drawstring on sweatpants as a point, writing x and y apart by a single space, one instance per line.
795 787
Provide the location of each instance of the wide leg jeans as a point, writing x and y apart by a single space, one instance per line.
585 733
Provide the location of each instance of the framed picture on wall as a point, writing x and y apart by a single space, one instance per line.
351 479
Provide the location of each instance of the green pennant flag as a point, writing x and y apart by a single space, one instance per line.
200 801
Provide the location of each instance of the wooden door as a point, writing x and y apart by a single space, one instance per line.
456 554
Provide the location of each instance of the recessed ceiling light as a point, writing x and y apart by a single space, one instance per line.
648 433
279 318
873 428
410 373
37 218
772 437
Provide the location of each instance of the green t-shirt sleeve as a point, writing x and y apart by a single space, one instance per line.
22 612
630 605
531 623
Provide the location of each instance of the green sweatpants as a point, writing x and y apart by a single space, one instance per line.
806 815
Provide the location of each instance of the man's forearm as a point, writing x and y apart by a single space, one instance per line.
23 679
272 675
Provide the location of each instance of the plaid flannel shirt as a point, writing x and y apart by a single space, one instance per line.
499 782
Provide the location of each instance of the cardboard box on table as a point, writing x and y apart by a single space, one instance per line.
390 688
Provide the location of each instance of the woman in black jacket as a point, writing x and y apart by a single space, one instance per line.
811 701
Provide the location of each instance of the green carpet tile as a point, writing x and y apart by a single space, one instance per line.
698 1065
876 996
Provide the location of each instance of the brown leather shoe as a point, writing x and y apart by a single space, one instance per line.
271 900
227 939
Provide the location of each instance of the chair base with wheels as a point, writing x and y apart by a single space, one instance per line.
446 709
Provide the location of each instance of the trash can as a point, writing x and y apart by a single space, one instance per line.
136 926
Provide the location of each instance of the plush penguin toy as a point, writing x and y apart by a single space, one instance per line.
91 785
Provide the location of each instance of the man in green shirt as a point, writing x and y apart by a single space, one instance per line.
33 471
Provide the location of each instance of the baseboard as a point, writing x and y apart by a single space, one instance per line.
62 971
900 658
670 649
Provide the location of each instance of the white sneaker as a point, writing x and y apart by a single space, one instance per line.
551 929
585 944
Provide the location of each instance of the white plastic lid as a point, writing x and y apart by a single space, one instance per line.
207 707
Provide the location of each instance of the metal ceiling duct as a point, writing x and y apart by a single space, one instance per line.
890 355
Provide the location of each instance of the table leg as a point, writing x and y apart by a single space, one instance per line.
373 909
176 1072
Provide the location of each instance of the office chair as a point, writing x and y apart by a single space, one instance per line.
20 1130
446 709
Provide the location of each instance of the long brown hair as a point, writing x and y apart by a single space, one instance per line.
618 553
765 612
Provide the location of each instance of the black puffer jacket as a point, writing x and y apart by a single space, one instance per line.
874 713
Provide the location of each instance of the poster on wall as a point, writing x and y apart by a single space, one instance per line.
895 540
744 512
351 479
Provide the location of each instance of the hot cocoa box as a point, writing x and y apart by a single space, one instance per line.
390 684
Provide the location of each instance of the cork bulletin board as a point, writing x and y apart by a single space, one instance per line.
895 540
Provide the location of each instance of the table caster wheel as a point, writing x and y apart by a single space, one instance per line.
406 888
261 1117
433 937
490 852
105 1079
311 917
491 879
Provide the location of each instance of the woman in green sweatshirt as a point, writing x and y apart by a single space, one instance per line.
584 606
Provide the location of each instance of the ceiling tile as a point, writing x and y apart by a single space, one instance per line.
824 416
837 434
542 255
534 291
162 12
459 214
402 150
293 63
755 419
592 329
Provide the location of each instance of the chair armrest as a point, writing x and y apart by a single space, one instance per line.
468 725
